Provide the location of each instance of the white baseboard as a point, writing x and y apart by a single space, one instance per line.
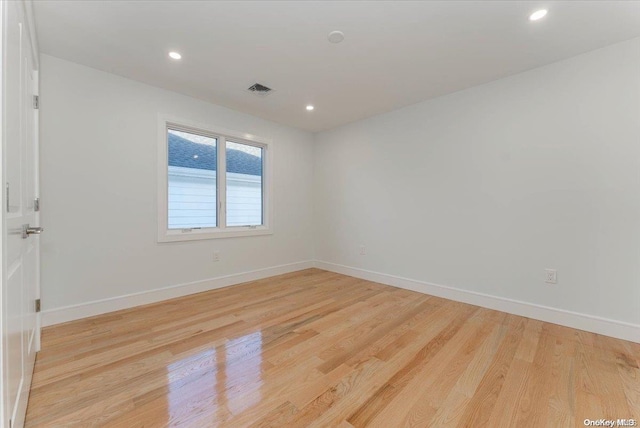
607 327
97 307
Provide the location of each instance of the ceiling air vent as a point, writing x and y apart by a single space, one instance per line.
259 89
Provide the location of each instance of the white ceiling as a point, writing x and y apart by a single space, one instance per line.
394 53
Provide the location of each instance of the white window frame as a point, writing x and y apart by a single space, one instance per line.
221 231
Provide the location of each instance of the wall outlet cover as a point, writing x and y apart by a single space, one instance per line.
551 276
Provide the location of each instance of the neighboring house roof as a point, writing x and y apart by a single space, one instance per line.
183 152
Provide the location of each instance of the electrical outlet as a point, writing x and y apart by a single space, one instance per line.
216 256
363 250
551 276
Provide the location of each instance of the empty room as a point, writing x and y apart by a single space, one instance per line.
320 213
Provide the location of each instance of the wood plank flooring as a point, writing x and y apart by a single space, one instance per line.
319 349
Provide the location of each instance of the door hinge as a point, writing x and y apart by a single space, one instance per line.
37 305
36 102
36 204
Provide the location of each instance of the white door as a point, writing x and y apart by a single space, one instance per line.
20 250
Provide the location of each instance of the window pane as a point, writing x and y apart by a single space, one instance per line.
192 191
244 184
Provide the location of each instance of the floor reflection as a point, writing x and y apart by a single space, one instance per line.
215 384
243 372
192 386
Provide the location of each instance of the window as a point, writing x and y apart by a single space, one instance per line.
192 191
244 184
211 183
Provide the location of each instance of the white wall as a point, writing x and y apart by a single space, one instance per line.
98 185
485 188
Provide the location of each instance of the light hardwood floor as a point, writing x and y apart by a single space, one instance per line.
315 348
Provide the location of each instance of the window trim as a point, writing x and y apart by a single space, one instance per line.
221 134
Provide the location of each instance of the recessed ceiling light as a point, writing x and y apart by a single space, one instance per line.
195 156
336 36
310 107
175 55
538 14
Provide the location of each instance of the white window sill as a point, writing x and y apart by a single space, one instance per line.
177 235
